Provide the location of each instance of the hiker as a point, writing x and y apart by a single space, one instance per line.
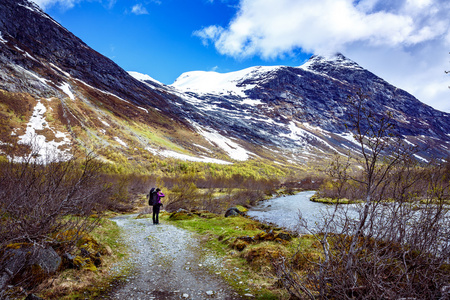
155 197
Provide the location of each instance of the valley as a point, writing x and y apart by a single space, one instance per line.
83 140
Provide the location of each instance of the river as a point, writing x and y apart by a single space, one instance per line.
284 211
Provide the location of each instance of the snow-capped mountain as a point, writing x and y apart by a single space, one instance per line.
56 90
307 109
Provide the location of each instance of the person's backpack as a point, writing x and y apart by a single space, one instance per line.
152 197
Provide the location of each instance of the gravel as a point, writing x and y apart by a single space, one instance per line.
168 263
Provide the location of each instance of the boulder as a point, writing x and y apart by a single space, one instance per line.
23 262
285 236
46 259
233 211
68 260
13 261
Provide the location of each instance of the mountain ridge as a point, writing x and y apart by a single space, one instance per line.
278 113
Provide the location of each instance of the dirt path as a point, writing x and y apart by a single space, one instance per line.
168 265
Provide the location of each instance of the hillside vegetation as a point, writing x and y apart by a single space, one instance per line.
46 203
400 235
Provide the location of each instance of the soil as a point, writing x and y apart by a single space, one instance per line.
167 263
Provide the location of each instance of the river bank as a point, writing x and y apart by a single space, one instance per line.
196 256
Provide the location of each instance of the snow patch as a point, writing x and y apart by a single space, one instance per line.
65 87
143 77
60 70
31 6
252 102
48 150
201 147
408 142
117 139
234 150
104 123
20 69
338 60
421 158
143 109
349 137
2 40
203 82
297 132
173 154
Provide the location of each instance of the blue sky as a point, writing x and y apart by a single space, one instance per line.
406 42
157 37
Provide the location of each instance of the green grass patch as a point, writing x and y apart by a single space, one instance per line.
326 200
250 270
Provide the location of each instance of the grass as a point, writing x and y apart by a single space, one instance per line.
326 200
86 284
249 271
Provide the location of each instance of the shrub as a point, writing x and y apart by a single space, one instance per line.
50 203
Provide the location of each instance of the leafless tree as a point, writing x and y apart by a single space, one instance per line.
42 199
393 245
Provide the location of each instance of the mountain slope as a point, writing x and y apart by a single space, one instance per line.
308 107
57 94
91 101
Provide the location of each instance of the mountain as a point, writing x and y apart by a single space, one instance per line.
57 94
306 108
51 77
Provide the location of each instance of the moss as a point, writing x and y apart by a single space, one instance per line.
18 245
265 236
241 208
178 216
239 244
90 280
263 254
283 235
84 263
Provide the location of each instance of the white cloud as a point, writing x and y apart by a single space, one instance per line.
406 42
139 9
68 4
65 4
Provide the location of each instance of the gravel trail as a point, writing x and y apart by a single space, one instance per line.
168 264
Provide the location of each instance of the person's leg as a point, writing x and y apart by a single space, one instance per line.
154 214
157 207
